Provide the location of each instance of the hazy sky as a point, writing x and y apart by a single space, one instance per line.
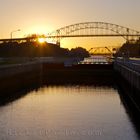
43 16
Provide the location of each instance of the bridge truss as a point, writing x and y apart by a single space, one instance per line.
94 29
87 29
109 51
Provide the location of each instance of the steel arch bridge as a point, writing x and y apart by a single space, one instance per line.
87 29
94 29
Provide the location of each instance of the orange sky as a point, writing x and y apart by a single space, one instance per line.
43 16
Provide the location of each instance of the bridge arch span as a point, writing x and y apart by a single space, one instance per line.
85 29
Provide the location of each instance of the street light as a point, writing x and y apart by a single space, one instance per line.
13 32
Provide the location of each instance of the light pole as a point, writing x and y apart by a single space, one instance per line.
11 34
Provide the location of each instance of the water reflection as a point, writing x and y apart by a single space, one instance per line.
89 81
69 112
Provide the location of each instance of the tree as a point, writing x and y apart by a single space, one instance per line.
79 52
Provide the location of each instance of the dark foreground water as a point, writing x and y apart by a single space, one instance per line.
67 113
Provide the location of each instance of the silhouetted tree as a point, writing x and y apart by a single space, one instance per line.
79 52
130 49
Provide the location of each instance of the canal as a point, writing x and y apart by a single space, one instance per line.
68 112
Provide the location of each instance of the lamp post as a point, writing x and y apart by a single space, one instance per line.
11 34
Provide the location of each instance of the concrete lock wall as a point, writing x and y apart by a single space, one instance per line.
131 75
14 78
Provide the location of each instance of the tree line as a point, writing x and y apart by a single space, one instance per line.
129 49
36 49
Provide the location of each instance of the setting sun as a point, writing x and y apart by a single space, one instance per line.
41 40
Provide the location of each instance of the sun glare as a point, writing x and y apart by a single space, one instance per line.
41 40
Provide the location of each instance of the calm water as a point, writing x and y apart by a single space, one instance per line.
67 113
